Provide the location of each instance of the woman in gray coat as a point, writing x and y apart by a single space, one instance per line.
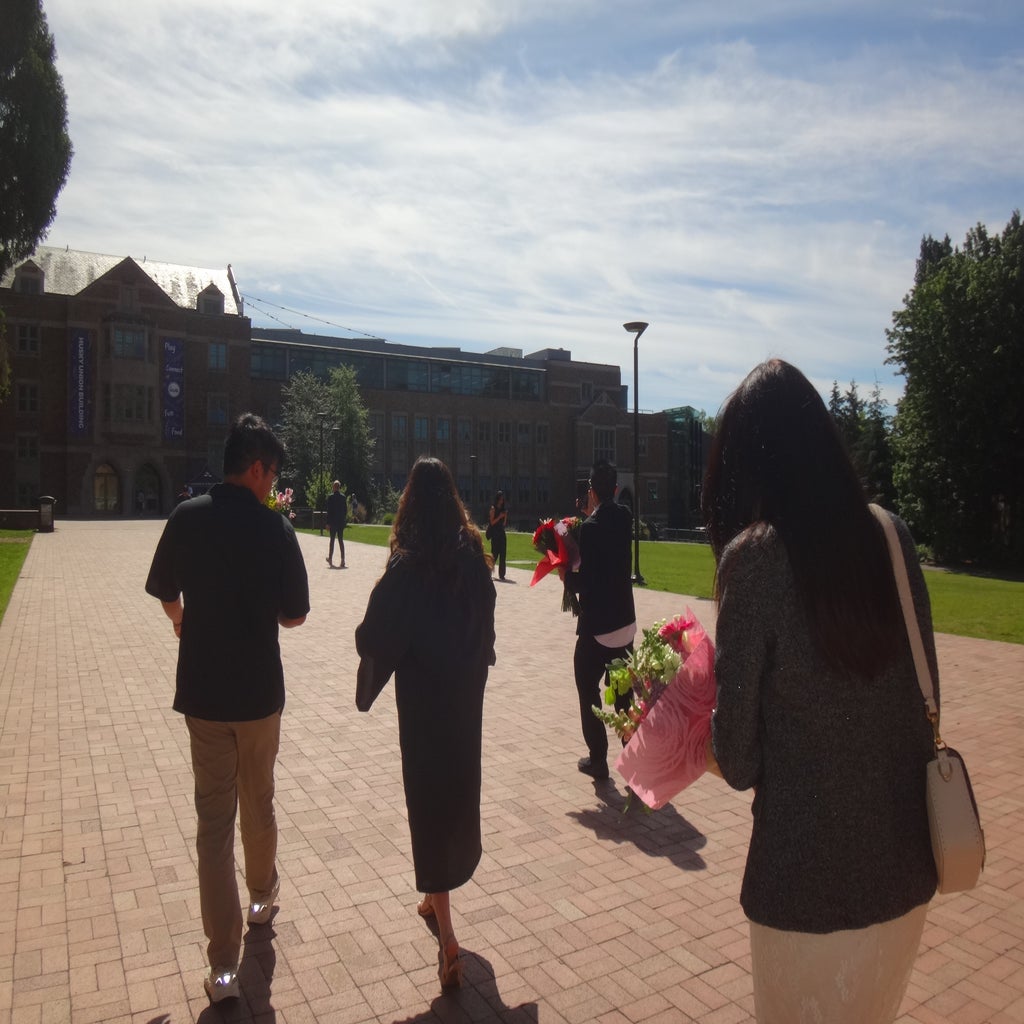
819 710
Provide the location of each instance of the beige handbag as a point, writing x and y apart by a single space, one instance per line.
958 842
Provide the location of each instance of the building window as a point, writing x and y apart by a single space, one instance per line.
211 301
217 410
399 428
526 384
504 433
483 431
523 433
28 279
408 374
465 429
267 362
27 491
28 339
642 446
217 356
543 490
133 403
586 391
604 444
444 428
523 490
28 447
652 490
465 488
129 343
28 398
483 488
377 426
421 429
542 434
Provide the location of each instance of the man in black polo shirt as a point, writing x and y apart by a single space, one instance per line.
228 571
607 622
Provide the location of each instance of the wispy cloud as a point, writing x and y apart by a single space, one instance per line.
752 181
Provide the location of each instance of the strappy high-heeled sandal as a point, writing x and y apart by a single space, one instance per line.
450 971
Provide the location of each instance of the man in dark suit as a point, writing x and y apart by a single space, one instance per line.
607 622
337 517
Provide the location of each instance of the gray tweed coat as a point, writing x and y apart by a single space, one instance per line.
840 829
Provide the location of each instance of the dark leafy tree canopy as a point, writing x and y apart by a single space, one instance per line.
328 416
958 435
35 150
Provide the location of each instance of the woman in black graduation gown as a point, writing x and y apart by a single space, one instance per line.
431 618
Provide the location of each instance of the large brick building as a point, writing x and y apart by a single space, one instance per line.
126 374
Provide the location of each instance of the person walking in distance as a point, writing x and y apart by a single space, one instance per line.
607 620
228 572
337 517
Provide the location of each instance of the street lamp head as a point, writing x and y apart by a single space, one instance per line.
636 327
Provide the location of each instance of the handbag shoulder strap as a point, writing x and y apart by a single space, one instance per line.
899 568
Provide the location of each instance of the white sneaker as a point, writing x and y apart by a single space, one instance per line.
221 983
259 913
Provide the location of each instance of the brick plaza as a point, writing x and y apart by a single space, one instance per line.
577 912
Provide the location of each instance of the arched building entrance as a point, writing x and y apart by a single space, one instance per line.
147 491
106 490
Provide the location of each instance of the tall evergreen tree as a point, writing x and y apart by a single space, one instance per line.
958 434
35 149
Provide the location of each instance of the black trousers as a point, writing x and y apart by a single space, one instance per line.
339 532
499 546
589 662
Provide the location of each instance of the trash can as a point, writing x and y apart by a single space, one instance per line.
46 503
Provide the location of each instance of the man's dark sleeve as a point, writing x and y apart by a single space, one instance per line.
294 582
162 582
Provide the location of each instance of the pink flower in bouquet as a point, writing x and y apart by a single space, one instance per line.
281 501
676 633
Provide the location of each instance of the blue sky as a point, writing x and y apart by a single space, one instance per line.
752 177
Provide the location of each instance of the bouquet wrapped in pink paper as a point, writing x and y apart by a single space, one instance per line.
667 725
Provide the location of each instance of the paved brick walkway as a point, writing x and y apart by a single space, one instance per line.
577 912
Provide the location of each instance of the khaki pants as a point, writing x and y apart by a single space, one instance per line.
233 763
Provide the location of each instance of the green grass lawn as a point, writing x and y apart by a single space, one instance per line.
13 551
992 609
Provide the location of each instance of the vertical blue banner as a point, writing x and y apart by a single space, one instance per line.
174 389
79 394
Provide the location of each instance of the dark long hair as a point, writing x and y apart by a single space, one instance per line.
778 461
432 524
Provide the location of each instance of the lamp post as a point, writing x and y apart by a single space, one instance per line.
320 481
636 328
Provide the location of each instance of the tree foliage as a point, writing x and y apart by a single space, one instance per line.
864 427
35 149
958 434
326 430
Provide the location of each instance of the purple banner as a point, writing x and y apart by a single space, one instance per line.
79 394
174 389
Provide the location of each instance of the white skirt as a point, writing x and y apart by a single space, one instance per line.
857 976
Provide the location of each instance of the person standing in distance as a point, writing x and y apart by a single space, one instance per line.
228 571
607 621
337 517
497 518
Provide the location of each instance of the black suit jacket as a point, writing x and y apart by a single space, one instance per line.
603 581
